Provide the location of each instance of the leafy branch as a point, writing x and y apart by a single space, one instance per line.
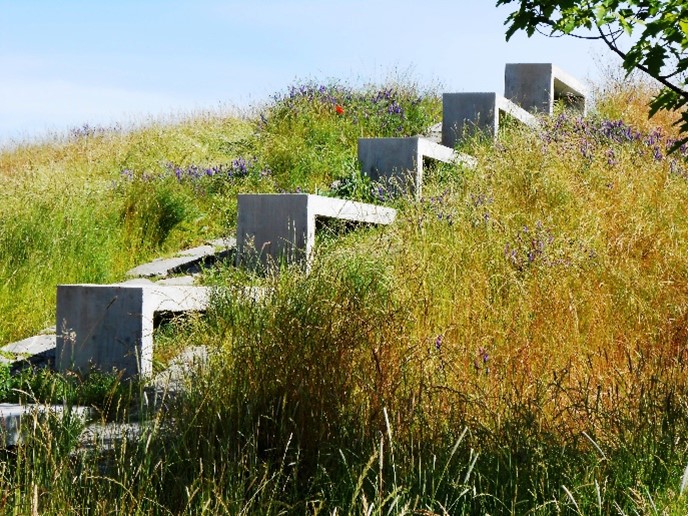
648 35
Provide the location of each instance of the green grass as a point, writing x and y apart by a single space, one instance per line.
69 214
514 343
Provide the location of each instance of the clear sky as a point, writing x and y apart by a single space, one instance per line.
69 62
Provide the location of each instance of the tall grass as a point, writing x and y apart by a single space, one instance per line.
90 205
535 301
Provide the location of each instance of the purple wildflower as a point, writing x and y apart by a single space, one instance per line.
438 342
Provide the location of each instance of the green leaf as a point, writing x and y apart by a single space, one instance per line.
667 100
654 59
684 26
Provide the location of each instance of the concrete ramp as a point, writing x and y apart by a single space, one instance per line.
184 261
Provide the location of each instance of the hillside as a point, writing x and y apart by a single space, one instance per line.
514 343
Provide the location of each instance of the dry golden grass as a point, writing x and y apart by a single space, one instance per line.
628 99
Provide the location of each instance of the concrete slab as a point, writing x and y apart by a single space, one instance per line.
433 133
464 114
178 280
184 260
180 373
275 228
104 437
37 351
537 86
398 162
111 326
31 346
138 282
13 416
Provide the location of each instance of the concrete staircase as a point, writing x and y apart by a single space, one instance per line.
530 89
111 326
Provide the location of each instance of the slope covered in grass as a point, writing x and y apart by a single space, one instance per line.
90 205
87 207
514 343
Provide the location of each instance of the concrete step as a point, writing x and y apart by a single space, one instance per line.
398 163
185 262
111 326
537 86
281 227
17 419
465 114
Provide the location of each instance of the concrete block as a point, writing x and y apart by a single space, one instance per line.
273 228
537 86
398 162
10 420
15 418
467 113
111 326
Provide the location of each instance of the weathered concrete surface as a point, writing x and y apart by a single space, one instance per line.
177 280
12 415
31 346
464 114
184 260
111 326
165 386
36 351
397 163
433 133
180 368
281 227
103 437
537 86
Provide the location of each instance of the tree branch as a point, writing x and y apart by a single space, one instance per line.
612 46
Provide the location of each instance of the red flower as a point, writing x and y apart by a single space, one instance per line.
339 109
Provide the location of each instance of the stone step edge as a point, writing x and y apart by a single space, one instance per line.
186 259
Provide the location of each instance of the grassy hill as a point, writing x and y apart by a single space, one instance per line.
514 343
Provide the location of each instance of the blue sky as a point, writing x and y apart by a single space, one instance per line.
72 62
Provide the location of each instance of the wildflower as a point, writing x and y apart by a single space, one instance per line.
339 109
658 154
438 342
480 361
611 157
